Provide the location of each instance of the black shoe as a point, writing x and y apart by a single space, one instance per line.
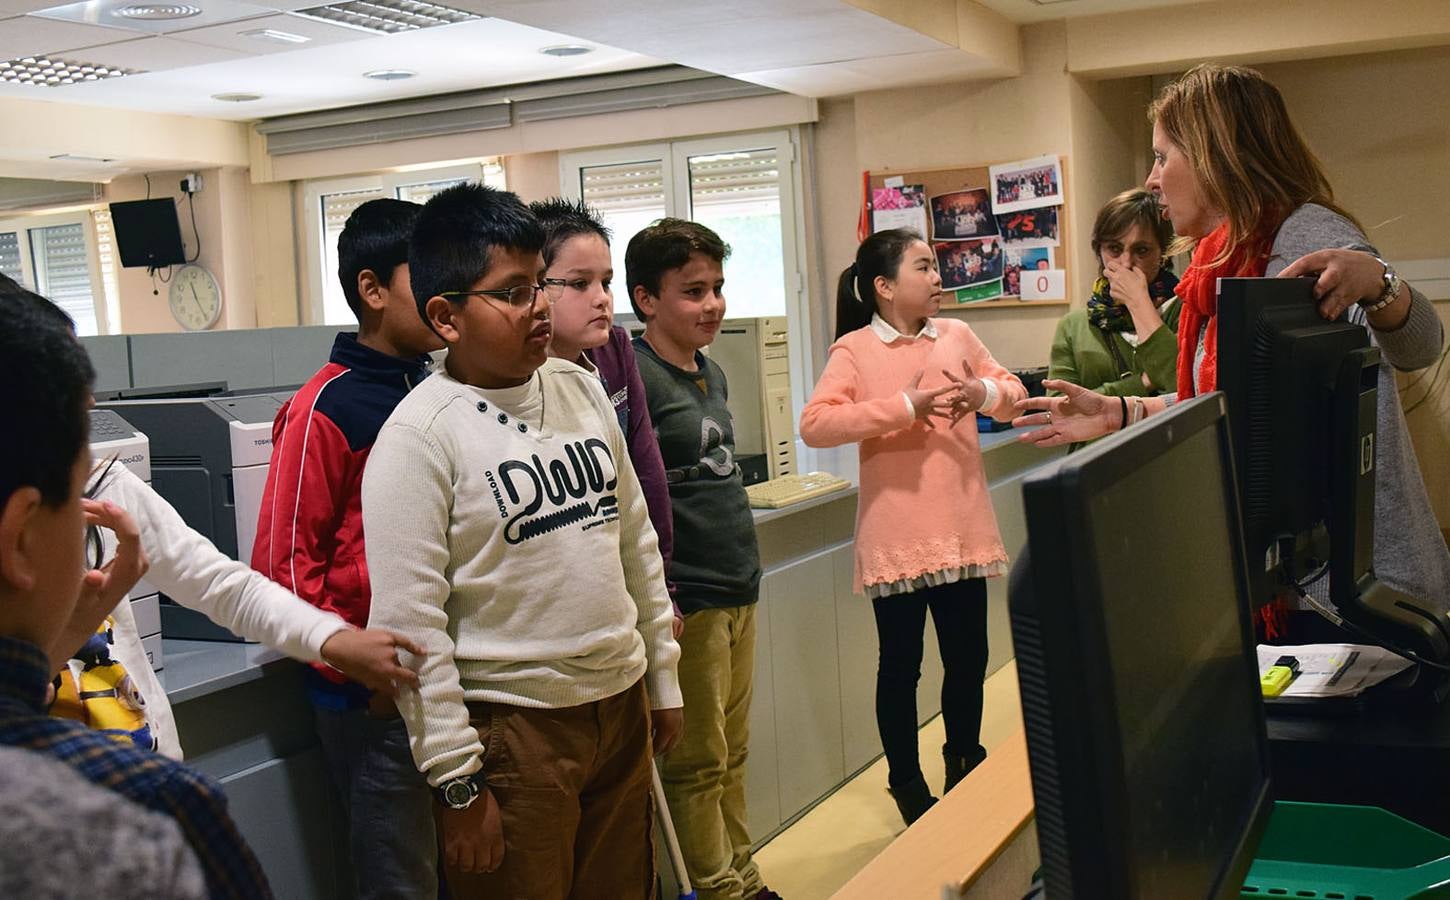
958 767
766 893
913 799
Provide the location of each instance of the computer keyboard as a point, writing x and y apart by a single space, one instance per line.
788 490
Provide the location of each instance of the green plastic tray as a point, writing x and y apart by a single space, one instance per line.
1332 852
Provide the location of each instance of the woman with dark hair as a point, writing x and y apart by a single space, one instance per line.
1125 342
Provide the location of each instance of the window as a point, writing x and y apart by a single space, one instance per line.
329 203
745 187
10 256
629 196
736 185
55 256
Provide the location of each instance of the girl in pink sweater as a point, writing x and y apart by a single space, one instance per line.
926 536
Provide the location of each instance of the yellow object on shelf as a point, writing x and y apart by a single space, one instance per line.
788 490
1275 680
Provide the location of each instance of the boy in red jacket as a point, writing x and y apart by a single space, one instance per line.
310 540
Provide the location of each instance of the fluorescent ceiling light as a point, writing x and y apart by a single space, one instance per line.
275 36
43 71
237 97
566 50
389 74
387 16
157 12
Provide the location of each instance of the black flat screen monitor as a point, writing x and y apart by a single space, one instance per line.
1303 399
148 233
1279 364
1135 656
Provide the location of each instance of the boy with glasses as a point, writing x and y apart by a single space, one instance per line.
508 536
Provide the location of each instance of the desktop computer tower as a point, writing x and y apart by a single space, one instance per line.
755 356
113 436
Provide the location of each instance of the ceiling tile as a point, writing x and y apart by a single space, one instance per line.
104 12
33 36
157 54
466 56
20 7
853 76
230 36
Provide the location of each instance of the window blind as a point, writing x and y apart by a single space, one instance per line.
730 178
625 187
10 256
63 272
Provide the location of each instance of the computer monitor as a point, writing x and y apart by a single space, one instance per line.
1302 398
1135 657
148 233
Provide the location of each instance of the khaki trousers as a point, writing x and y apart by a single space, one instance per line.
704 776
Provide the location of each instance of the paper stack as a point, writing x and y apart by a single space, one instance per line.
1334 670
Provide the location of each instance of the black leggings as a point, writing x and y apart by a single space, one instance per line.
959 612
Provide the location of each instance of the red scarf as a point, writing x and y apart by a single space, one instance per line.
1199 290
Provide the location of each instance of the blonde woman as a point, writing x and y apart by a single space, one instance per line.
1234 175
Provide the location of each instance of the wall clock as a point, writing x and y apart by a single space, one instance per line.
195 298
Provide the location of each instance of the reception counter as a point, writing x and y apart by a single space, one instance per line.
244 717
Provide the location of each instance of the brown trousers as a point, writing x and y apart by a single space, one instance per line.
573 787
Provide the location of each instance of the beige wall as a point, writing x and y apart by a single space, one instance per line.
275 233
40 130
1147 41
1381 124
143 299
246 243
533 176
1098 127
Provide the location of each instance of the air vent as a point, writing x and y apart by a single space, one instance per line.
43 71
158 12
388 16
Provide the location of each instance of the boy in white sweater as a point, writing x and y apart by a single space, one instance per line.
507 535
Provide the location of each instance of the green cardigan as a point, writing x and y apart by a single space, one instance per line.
1080 354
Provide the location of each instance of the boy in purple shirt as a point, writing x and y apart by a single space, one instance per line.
576 256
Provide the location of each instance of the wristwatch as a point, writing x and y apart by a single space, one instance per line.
458 793
1389 294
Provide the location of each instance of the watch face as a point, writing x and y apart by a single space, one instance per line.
457 794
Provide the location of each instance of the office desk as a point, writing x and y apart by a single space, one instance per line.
1388 756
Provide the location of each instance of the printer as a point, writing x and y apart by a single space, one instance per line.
114 437
209 459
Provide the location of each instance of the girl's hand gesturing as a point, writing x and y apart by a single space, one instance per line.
927 403
971 392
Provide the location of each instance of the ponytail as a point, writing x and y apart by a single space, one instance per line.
879 256
854 309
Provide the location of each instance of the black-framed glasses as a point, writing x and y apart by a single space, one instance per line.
519 295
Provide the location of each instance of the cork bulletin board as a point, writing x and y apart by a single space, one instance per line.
977 254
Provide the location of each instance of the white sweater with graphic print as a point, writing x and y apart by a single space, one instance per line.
507 534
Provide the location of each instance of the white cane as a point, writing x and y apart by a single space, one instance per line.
672 843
